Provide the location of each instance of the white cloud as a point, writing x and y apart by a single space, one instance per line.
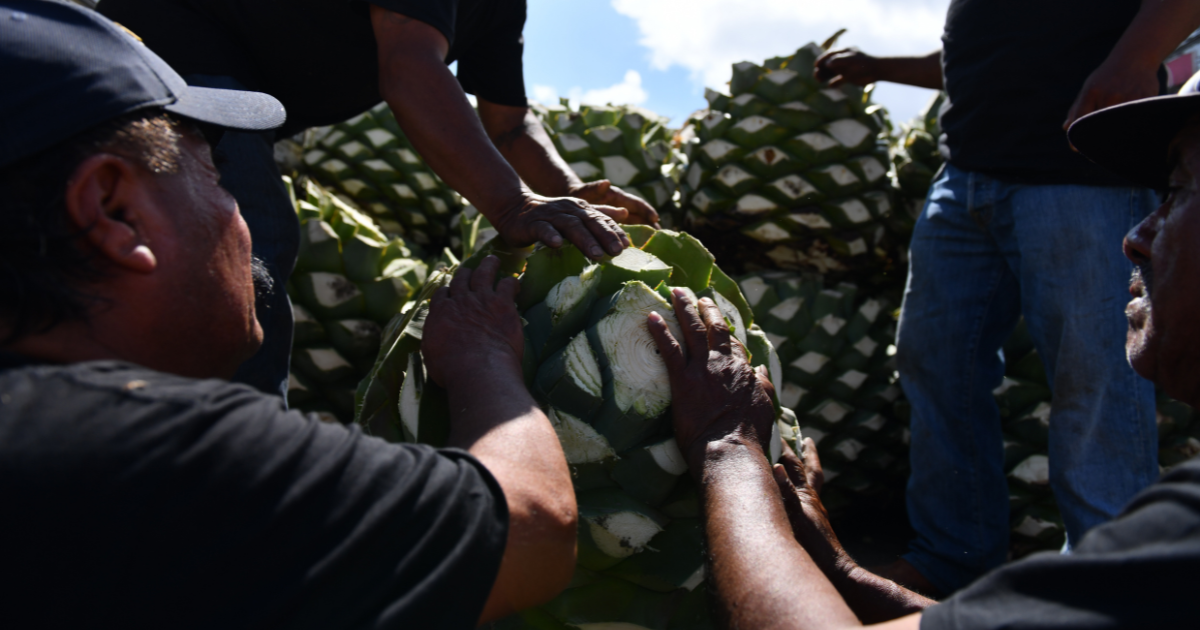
627 92
707 36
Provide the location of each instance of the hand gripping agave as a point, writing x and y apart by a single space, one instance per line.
592 364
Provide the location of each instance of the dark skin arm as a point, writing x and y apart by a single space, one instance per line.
872 598
850 65
433 111
472 346
524 143
722 424
1131 70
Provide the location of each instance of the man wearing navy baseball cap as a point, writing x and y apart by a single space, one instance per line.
140 488
781 560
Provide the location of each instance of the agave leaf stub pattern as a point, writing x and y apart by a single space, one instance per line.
596 371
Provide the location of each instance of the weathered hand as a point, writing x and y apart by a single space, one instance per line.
715 394
1114 82
472 323
846 65
603 192
800 482
591 228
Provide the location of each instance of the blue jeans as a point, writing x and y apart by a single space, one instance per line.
985 252
249 173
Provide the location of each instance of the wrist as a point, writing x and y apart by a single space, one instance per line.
708 453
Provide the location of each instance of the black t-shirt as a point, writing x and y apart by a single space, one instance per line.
1012 70
1139 570
318 57
136 499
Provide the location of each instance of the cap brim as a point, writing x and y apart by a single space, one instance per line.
1132 139
232 109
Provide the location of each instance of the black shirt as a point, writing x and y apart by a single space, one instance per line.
136 499
1140 570
318 57
1012 70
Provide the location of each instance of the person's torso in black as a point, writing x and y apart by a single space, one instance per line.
137 499
319 57
1012 70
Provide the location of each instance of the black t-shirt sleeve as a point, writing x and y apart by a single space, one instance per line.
1137 571
491 66
440 14
179 504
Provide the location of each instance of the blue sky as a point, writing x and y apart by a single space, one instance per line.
661 54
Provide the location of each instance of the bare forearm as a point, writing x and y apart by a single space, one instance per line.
435 115
527 147
924 71
1158 27
764 579
874 599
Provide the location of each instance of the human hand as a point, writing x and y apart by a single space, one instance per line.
715 395
603 192
473 324
847 65
800 482
1116 81
592 228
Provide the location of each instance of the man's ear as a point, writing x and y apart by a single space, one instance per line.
108 199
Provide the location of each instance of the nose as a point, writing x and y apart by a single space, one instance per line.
1138 241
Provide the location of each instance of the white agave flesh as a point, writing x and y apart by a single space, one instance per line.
580 442
379 166
787 309
622 534
352 149
566 294
585 170
425 181
779 77
667 456
639 374
769 232
582 366
792 395
871 167
326 360
379 136
410 398
754 124
855 210
331 289
319 231
753 289
834 95
794 186
606 134
817 141
334 167
841 175
713 119
1035 470
731 175
755 204
572 142
619 170
1034 527
405 191
353 186
811 362
849 132
718 149
852 379
294 384
407 156
811 220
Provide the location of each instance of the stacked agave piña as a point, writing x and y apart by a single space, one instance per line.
591 363
786 174
916 157
626 145
833 344
349 281
370 160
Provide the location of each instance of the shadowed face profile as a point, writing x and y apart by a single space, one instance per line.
1163 343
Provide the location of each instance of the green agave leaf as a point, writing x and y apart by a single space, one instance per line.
546 267
691 264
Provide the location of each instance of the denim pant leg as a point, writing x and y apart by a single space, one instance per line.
961 303
1074 288
248 171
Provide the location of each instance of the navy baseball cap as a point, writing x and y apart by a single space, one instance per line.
1132 139
66 69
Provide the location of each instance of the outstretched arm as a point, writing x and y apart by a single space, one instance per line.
433 111
1131 70
763 578
523 141
854 66
472 346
